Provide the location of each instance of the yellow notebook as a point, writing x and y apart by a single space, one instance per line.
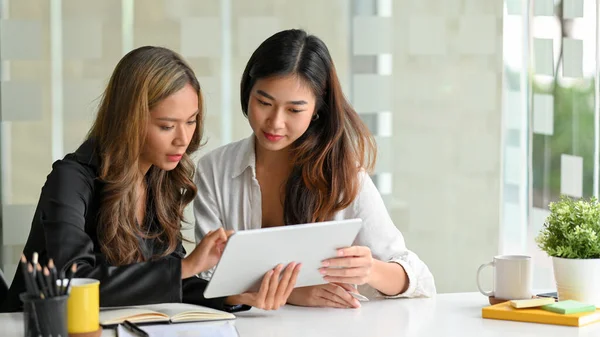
165 312
505 311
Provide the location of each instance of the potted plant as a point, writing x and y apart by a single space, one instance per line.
571 236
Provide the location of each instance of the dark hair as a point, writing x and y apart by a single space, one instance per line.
140 81
327 157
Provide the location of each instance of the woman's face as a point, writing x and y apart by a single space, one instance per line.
280 110
170 129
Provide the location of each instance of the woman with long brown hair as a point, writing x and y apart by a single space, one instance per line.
307 161
114 207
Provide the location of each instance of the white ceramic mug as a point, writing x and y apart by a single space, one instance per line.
512 277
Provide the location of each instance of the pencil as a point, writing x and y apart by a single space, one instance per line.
61 277
41 282
71 274
48 280
27 277
34 287
34 262
23 264
54 277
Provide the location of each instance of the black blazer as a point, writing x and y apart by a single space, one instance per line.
64 228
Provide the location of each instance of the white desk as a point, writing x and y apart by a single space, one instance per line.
445 315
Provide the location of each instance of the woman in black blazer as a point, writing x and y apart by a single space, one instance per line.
114 207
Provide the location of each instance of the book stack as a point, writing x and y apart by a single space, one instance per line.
544 310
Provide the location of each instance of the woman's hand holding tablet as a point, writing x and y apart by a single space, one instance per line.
274 291
352 265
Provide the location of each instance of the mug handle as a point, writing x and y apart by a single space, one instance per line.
486 293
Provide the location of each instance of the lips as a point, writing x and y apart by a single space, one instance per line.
174 157
272 137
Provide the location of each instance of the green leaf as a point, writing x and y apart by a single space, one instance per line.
572 230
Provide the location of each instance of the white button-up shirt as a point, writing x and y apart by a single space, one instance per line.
229 196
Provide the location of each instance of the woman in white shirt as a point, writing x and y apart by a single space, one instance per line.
307 161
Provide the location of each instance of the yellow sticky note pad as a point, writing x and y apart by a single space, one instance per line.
531 303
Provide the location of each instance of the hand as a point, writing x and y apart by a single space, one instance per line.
206 254
334 295
273 292
356 265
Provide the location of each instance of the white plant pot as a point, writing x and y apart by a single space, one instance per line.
577 279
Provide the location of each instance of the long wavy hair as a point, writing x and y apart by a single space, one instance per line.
327 157
141 79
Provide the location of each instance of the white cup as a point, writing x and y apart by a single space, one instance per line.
512 277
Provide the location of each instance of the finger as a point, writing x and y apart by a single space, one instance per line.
343 295
347 287
218 234
220 247
283 284
219 238
354 251
326 302
207 239
264 288
347 262
273 284
229 233
293 279
343 279
328 292
345 272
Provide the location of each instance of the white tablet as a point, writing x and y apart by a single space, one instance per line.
249 254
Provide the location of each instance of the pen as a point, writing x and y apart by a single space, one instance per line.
134 329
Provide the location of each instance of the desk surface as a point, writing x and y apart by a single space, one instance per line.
445 315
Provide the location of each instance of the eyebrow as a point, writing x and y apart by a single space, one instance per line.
169 119
262 93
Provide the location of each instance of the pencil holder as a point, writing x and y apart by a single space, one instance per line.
45 317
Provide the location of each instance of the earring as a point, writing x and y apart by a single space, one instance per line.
315 117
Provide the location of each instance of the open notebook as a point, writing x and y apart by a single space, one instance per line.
162 313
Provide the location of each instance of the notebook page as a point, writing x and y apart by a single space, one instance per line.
173 309
108 317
